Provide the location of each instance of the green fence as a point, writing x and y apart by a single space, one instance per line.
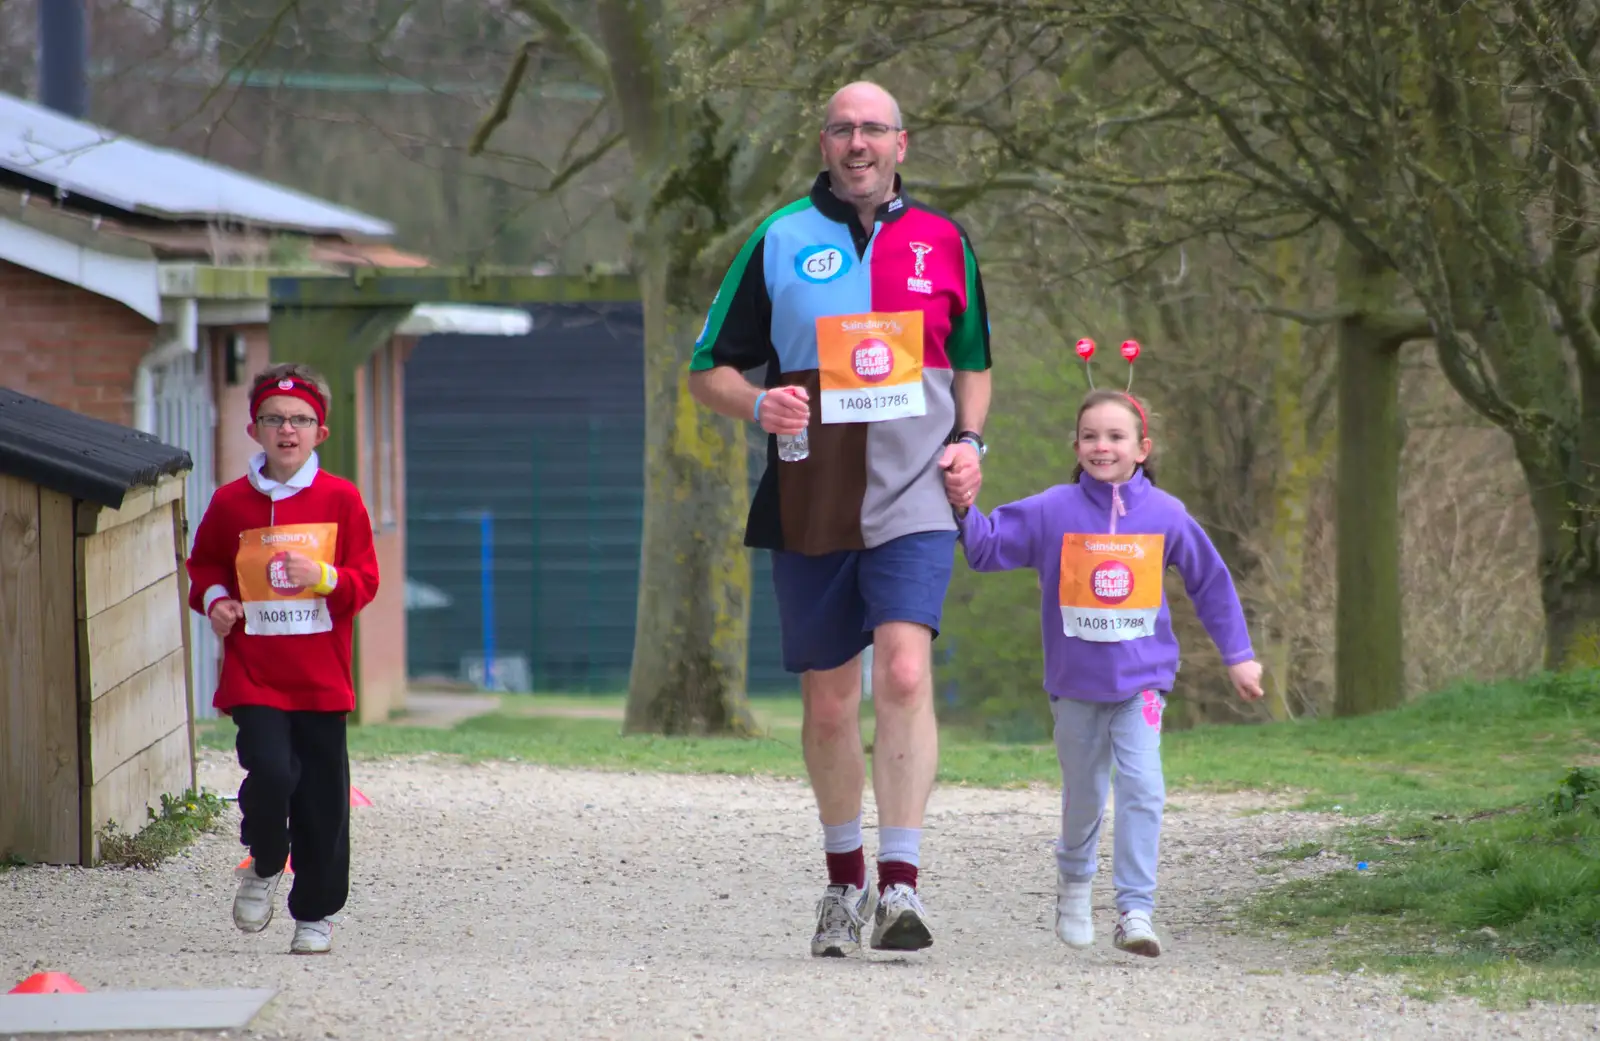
534 528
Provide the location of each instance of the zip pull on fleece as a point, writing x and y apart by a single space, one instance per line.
1118 508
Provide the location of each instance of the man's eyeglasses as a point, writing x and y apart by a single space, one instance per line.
871 131
301 422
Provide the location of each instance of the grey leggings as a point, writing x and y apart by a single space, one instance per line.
1091 737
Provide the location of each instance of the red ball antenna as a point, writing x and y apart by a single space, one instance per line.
1130 352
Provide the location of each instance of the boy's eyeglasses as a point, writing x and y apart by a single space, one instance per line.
298 422
871 131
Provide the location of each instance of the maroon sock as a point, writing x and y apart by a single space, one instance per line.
892 871
847 869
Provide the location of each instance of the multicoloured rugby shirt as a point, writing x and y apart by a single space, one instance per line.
874 327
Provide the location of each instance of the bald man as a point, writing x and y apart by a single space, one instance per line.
866 312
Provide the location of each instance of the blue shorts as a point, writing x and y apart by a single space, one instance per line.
829 605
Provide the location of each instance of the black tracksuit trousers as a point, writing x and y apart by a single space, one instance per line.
295 798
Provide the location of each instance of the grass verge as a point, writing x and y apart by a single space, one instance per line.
180 822
1464 749
1503 905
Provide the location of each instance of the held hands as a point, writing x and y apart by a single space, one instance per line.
963 475
782 410
225 614
1246 677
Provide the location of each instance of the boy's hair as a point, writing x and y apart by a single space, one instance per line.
293 370
1141 419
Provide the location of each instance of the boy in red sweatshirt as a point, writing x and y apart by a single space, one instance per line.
282 562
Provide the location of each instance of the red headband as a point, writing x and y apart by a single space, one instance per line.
1144 424
291 387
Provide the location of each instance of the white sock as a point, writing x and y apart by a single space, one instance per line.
900 844
842 838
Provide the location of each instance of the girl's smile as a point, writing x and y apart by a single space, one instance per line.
1108 444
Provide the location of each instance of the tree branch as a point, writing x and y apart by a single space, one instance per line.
759 17
582 162
1327 316
1284 182
639 75
568 36
1458 358
502 104
1400 325
1392 326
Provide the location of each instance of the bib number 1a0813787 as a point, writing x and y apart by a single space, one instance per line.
273 605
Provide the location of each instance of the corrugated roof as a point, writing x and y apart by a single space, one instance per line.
77 455
87 160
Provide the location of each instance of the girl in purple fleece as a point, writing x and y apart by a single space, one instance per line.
1101 545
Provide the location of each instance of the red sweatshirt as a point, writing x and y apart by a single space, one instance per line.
303 668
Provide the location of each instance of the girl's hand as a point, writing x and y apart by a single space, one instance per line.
1246 677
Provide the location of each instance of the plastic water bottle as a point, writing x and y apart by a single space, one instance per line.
794 447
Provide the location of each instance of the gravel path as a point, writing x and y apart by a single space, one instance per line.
514 901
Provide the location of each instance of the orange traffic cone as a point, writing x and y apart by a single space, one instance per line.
49 983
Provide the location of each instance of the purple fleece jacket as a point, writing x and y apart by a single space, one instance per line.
1029 533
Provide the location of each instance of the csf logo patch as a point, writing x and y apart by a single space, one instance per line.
821 264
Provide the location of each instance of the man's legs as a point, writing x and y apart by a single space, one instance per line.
905 748
821 616
830 738
903 583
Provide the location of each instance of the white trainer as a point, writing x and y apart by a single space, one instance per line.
312 937
841 913
1074 914
900 922
253 903
1136 935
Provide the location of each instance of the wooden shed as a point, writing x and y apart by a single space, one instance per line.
96 721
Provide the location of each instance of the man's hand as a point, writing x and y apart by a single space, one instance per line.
785 410
1246 677
225 614
302 570
963 474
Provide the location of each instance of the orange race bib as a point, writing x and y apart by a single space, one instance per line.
273 607
870 366
1111 586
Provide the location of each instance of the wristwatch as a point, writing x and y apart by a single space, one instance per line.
973 438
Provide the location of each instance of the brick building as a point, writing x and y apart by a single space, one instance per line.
134 287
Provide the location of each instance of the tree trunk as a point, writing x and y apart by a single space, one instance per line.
1300 461
689 660
1526 387
1569 570
1572 617
1369 673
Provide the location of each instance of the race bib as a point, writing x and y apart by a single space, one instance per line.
870 366
1110 586
272 605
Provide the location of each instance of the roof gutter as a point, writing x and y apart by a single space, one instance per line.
130 281
176 339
